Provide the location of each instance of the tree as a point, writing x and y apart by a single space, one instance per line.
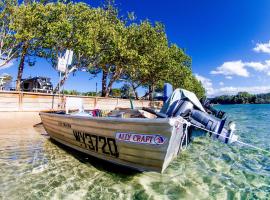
71 92
242 98
71 26
102 42
130 86
8 44
91 93
194 85
28 26
151 46
115 52
115 92
127 92
158 62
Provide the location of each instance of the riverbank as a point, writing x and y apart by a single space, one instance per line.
242 98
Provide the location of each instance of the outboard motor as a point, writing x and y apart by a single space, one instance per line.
180 108
167 91
207 106
214 125
185 104
206 121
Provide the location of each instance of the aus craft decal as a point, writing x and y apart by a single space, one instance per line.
140 138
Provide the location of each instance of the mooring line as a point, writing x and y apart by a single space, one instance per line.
238 141
253 146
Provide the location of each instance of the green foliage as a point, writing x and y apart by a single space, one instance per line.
70 26
5 78
242 98
71 92
75 92
8 43
151 45
115 92
103 42
91 94
157 62
26 24
127 92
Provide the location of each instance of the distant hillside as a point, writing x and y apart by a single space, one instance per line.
242 98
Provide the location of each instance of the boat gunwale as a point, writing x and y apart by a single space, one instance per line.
110 119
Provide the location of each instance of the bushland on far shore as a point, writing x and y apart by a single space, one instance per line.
242 98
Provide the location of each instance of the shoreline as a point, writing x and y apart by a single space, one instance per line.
242 104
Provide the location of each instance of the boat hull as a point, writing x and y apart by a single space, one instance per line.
141 144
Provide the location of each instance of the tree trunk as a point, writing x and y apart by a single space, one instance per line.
104 83
63 80
107 92
136 95
60 84
135 91
115 77
21 67
109 87
151 92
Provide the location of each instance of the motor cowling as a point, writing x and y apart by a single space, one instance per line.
214 125
208 122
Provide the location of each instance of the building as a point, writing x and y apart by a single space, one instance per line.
37 84
5 82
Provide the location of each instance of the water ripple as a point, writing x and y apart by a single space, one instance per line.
34 167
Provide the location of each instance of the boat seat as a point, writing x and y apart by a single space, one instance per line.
74 103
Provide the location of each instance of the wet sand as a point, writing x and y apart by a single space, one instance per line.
17 121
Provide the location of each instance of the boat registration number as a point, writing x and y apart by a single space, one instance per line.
97 143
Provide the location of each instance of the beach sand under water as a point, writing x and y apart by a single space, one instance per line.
34 167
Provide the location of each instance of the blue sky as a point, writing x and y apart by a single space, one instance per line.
228 40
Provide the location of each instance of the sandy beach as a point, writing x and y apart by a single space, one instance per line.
17 121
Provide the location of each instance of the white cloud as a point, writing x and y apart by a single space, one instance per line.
242 69
262 47
257 66
212 92
207 84
239 68
228 77
232 68
9 64
234 90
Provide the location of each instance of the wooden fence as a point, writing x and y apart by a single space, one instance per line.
28 101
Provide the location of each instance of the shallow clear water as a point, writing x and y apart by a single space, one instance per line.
33 167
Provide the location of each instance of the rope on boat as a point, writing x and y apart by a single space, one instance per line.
240 142
177 123
184 136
